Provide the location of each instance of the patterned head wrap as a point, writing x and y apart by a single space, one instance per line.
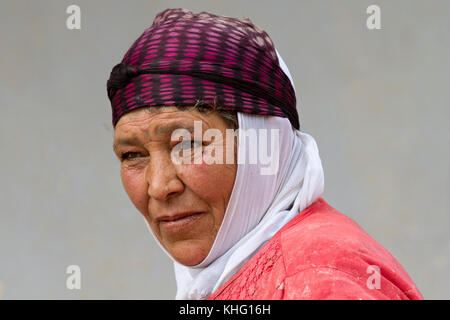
184 58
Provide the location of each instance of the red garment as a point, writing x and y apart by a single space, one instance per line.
320 254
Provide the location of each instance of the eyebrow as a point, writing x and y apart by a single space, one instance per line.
126 142
165 129
160 129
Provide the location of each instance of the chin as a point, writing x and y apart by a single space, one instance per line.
189 254
189 262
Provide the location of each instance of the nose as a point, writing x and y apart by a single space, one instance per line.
162 179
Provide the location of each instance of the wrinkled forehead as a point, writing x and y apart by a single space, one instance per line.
155 123
154 120
135 133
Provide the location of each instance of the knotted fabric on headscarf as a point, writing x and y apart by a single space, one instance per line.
183 58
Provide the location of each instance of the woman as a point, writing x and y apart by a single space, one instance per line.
233 229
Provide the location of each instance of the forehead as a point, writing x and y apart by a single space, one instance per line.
143 115
149 122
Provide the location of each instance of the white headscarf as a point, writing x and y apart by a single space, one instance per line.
259 205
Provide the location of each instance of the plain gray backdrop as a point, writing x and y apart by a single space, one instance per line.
376 101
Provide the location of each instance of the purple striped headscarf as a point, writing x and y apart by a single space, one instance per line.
184 58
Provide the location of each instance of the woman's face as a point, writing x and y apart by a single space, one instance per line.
183 203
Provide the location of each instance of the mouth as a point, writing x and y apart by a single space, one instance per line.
179 222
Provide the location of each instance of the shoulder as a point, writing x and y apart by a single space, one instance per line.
320 254
328 255
320 235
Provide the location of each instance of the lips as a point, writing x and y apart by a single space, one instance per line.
179 223
176 216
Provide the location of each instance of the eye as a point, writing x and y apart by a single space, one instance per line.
190 144
129 155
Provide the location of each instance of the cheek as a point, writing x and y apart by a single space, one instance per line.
134 185
213 183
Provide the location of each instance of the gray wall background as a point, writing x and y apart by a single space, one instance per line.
377 103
